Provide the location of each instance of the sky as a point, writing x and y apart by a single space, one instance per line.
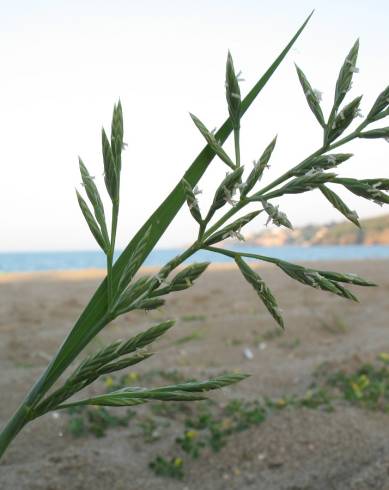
65 63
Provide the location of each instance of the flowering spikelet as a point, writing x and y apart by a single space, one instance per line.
261 288
233 93
276 216
312 96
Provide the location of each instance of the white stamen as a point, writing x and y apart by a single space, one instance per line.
193 204
229 194
237 235
239 76
318 94
313 172
275 215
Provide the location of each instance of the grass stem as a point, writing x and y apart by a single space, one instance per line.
237 146
115 214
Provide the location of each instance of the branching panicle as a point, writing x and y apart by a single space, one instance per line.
122 291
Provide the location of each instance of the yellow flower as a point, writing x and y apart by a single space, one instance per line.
384 356
191 434
109 382
363 381
178 462
132 376
357 391
280 402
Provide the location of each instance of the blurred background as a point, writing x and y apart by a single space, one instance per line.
66 63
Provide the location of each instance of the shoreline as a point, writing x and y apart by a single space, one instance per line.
85 274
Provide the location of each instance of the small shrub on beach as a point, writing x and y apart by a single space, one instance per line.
367 386
124 290
95 420
172 468
209 426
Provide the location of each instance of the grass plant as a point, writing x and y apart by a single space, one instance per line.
123 291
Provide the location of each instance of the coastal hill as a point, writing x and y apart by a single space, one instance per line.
374 231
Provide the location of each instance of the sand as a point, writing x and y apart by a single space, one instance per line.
296 449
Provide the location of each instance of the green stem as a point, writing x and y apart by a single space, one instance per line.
329 124
23 414
109 279
178 260
237 147
225 218
232 254
13 427
115 214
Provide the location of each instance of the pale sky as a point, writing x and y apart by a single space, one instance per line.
65 63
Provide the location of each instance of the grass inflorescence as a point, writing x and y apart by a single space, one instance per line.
124 290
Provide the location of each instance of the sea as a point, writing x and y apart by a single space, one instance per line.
71 260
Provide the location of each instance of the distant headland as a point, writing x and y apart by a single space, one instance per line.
373 231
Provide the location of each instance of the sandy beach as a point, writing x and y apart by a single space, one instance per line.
217 321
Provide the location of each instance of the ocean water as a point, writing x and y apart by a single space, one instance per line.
43 261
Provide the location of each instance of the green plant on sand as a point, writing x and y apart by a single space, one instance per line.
122 292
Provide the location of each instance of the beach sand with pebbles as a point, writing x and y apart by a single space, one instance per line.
218 319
